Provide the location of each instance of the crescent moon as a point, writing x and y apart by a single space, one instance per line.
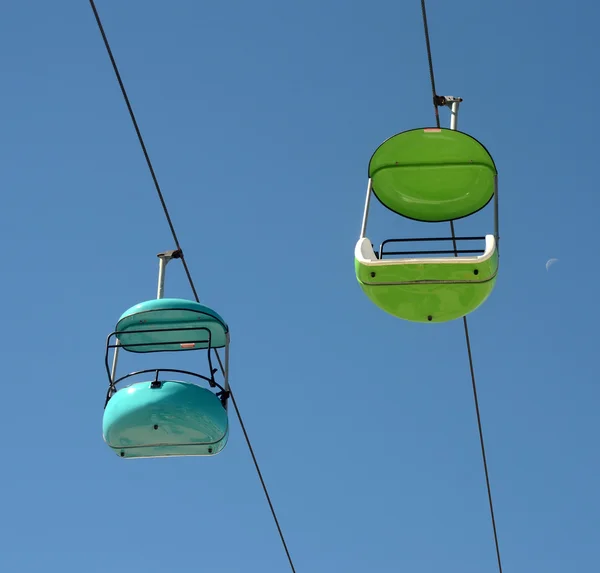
550 263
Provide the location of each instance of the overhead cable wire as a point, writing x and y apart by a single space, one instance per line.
143 146
185 266
465 323
430 61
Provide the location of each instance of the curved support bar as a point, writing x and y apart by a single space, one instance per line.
159 370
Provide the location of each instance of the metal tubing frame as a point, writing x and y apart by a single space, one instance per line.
163 261
226 368
113 381
496 216
453 103
158 370
162 267
113 370
454 115
111 374
380 253
363 229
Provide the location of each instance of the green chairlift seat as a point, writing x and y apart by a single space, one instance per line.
429 175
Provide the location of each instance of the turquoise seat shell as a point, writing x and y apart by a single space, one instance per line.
170 313
176 419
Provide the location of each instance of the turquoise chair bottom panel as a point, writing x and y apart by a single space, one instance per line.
174 419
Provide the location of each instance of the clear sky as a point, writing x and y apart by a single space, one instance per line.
261 118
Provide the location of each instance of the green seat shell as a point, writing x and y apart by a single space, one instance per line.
175 419
433 174
170 313
427 290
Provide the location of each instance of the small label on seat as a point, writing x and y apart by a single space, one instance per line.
187 344
432 130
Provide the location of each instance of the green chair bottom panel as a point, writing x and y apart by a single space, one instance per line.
178 324
427 290
146 420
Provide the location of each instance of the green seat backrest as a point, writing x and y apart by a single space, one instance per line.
433 174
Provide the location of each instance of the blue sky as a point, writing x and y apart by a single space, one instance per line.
260 118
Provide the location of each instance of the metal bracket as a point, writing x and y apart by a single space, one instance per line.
223 396
176 254
451 102
212 382
446 100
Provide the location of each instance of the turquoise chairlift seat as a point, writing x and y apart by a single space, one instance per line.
164 417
